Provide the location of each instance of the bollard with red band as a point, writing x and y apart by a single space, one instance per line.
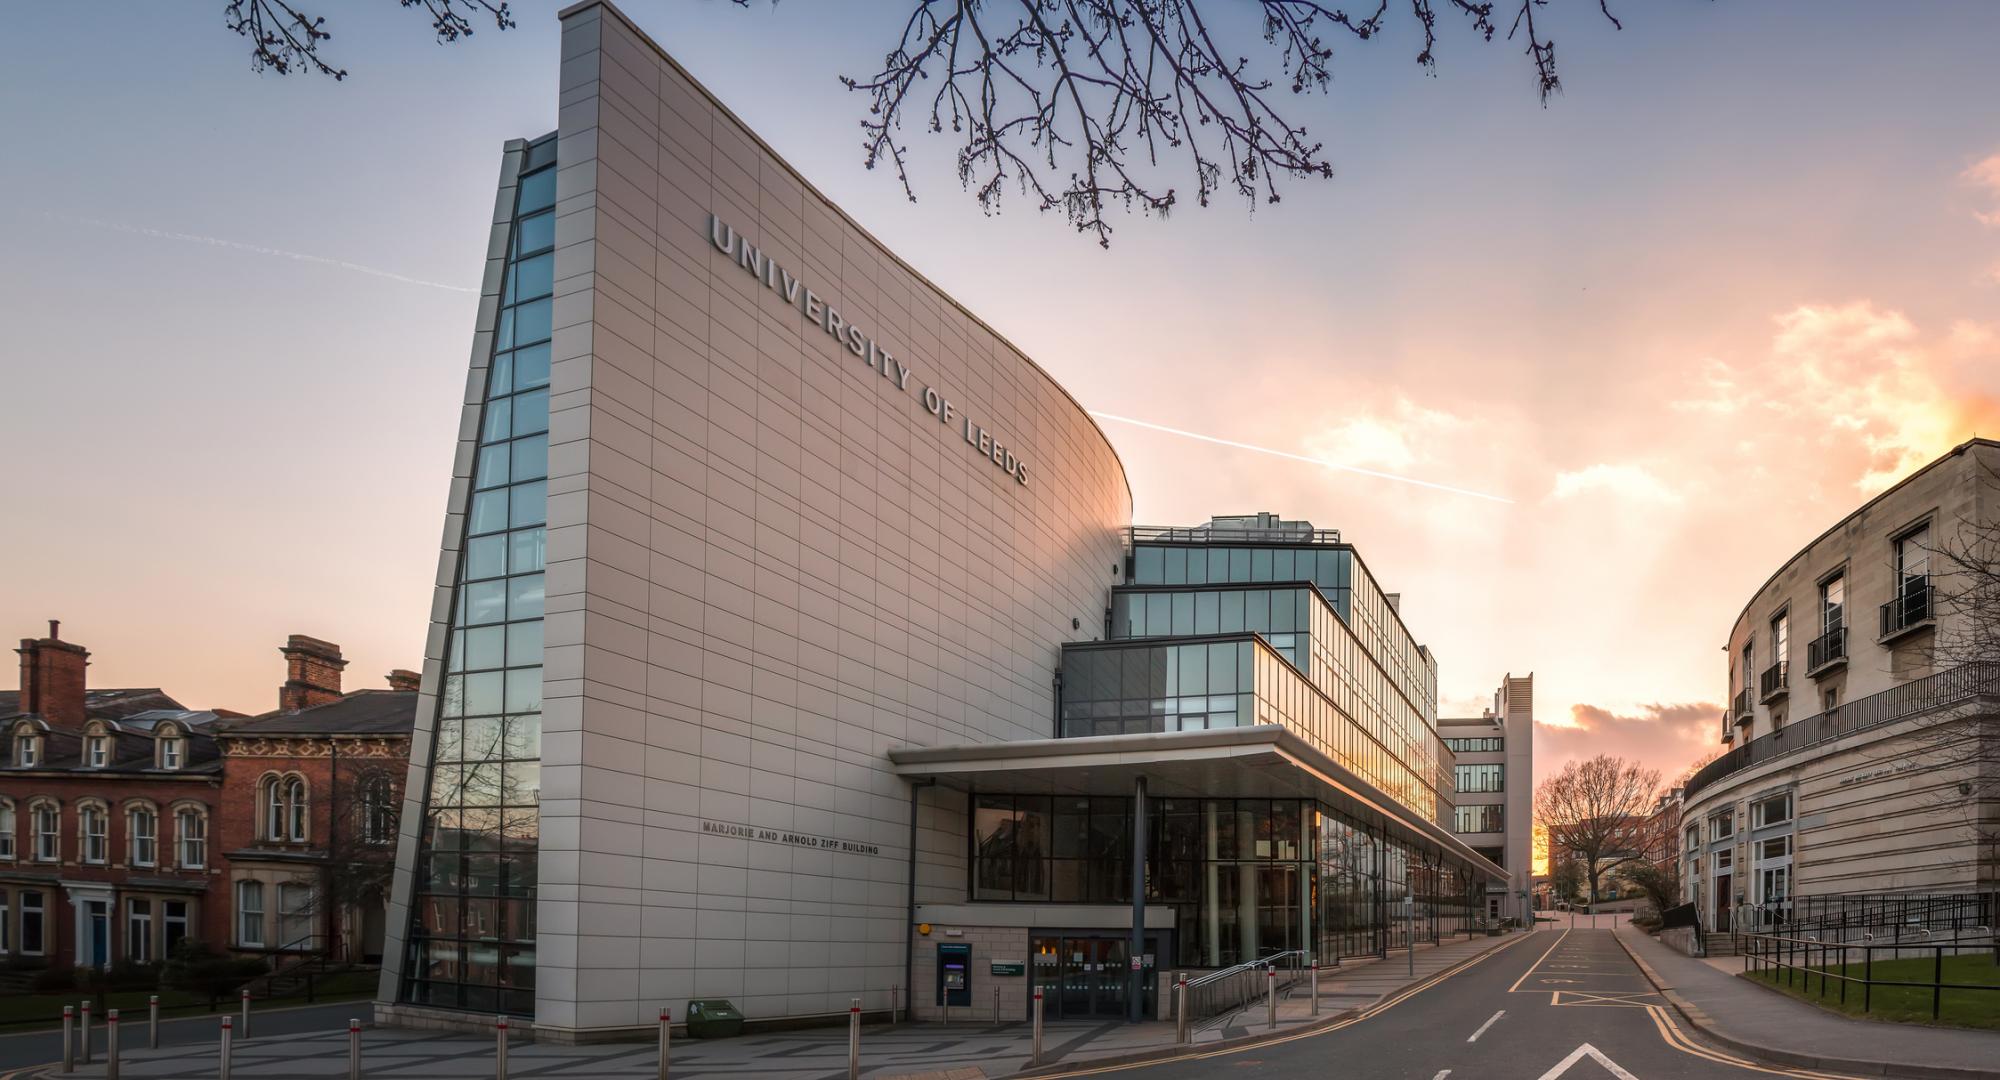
243 1029
499 1048
153 1021
855 1039
1035 1048
222 1073
83 1033
353 1049
666 1037
111 1045
69 1038
1270 996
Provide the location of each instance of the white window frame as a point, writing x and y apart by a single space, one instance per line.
27 751
97 751
197 842
247 890
1757 819
8 824
88 841
295 904
171 747
139 929
148 854
185 920
295 810
41 912
6 923
48 841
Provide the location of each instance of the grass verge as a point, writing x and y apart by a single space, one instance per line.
1902 1004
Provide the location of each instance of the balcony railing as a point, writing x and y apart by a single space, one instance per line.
1910 607
1827 648
1741 709
1955 686
1291 533
1774 680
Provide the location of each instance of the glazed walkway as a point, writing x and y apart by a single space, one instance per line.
906 1050
1734 1010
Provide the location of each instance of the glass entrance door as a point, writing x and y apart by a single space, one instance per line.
1084 976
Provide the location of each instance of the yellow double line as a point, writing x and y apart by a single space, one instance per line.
1677 1039
1376 1009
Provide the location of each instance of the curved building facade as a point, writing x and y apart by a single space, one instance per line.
763 565
1855 716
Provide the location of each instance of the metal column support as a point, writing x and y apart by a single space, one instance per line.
1135 998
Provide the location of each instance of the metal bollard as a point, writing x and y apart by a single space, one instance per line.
996 1006
222 1073
244 1031
153 1022
854 1038
499 1048
1270 996
69 1038
895 997
1315 995
1035 1048
111 1045
666 1038
947 1008
83 1033
1180 1011
353 1049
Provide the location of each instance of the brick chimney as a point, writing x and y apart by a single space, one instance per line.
404 679
312 673
52 679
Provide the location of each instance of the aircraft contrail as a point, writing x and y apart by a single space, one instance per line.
1323 462
233 245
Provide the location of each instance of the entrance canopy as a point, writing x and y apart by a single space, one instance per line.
1266 761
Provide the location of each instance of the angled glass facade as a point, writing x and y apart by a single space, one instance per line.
471 943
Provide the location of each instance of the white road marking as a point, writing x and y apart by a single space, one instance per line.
1474 1037
1592 1052
1442 1073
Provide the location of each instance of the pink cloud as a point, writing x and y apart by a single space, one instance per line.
1667 737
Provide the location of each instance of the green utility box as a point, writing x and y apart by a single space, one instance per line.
713 1018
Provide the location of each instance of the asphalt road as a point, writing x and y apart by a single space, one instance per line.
1557 1003
45 1047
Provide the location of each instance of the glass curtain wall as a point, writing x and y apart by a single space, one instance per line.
472 939
1247 877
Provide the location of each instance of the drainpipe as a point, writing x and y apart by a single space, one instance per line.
910 922
332 837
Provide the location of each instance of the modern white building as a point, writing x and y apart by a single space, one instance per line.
784 646
1860 727
1493 766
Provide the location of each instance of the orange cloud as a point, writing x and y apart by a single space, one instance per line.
1665 736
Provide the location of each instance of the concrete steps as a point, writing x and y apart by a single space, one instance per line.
1719 943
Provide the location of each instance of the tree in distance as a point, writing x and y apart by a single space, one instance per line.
1597 814
1077 105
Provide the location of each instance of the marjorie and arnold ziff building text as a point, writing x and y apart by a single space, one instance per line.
773 579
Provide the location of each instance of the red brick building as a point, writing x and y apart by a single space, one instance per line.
129 822
311 794
108 806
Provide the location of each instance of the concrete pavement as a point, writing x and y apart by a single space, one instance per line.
1739 1013
813 1054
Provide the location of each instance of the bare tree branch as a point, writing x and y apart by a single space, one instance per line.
285 39
1597 812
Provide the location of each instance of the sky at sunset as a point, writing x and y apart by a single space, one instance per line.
1742 274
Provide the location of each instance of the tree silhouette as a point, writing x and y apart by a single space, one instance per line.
1597 812
1078 105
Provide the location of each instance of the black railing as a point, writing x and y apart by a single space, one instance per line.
1827 648
1795 961
1946 688
1911 606
1774 679
1741 710
1890 916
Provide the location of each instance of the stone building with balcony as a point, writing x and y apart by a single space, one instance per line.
1860 755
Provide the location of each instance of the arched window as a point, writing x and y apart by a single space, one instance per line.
96 746
170 747
378 810
45 821
142 828
285 808
93 832
191 833
27 746
295 809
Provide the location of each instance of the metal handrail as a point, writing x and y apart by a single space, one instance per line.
1826 648
1910 606
1796 960
1220 993
1953 686
1211 534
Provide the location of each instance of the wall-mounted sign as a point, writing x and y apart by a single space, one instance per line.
1006 967
795 839
817 310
